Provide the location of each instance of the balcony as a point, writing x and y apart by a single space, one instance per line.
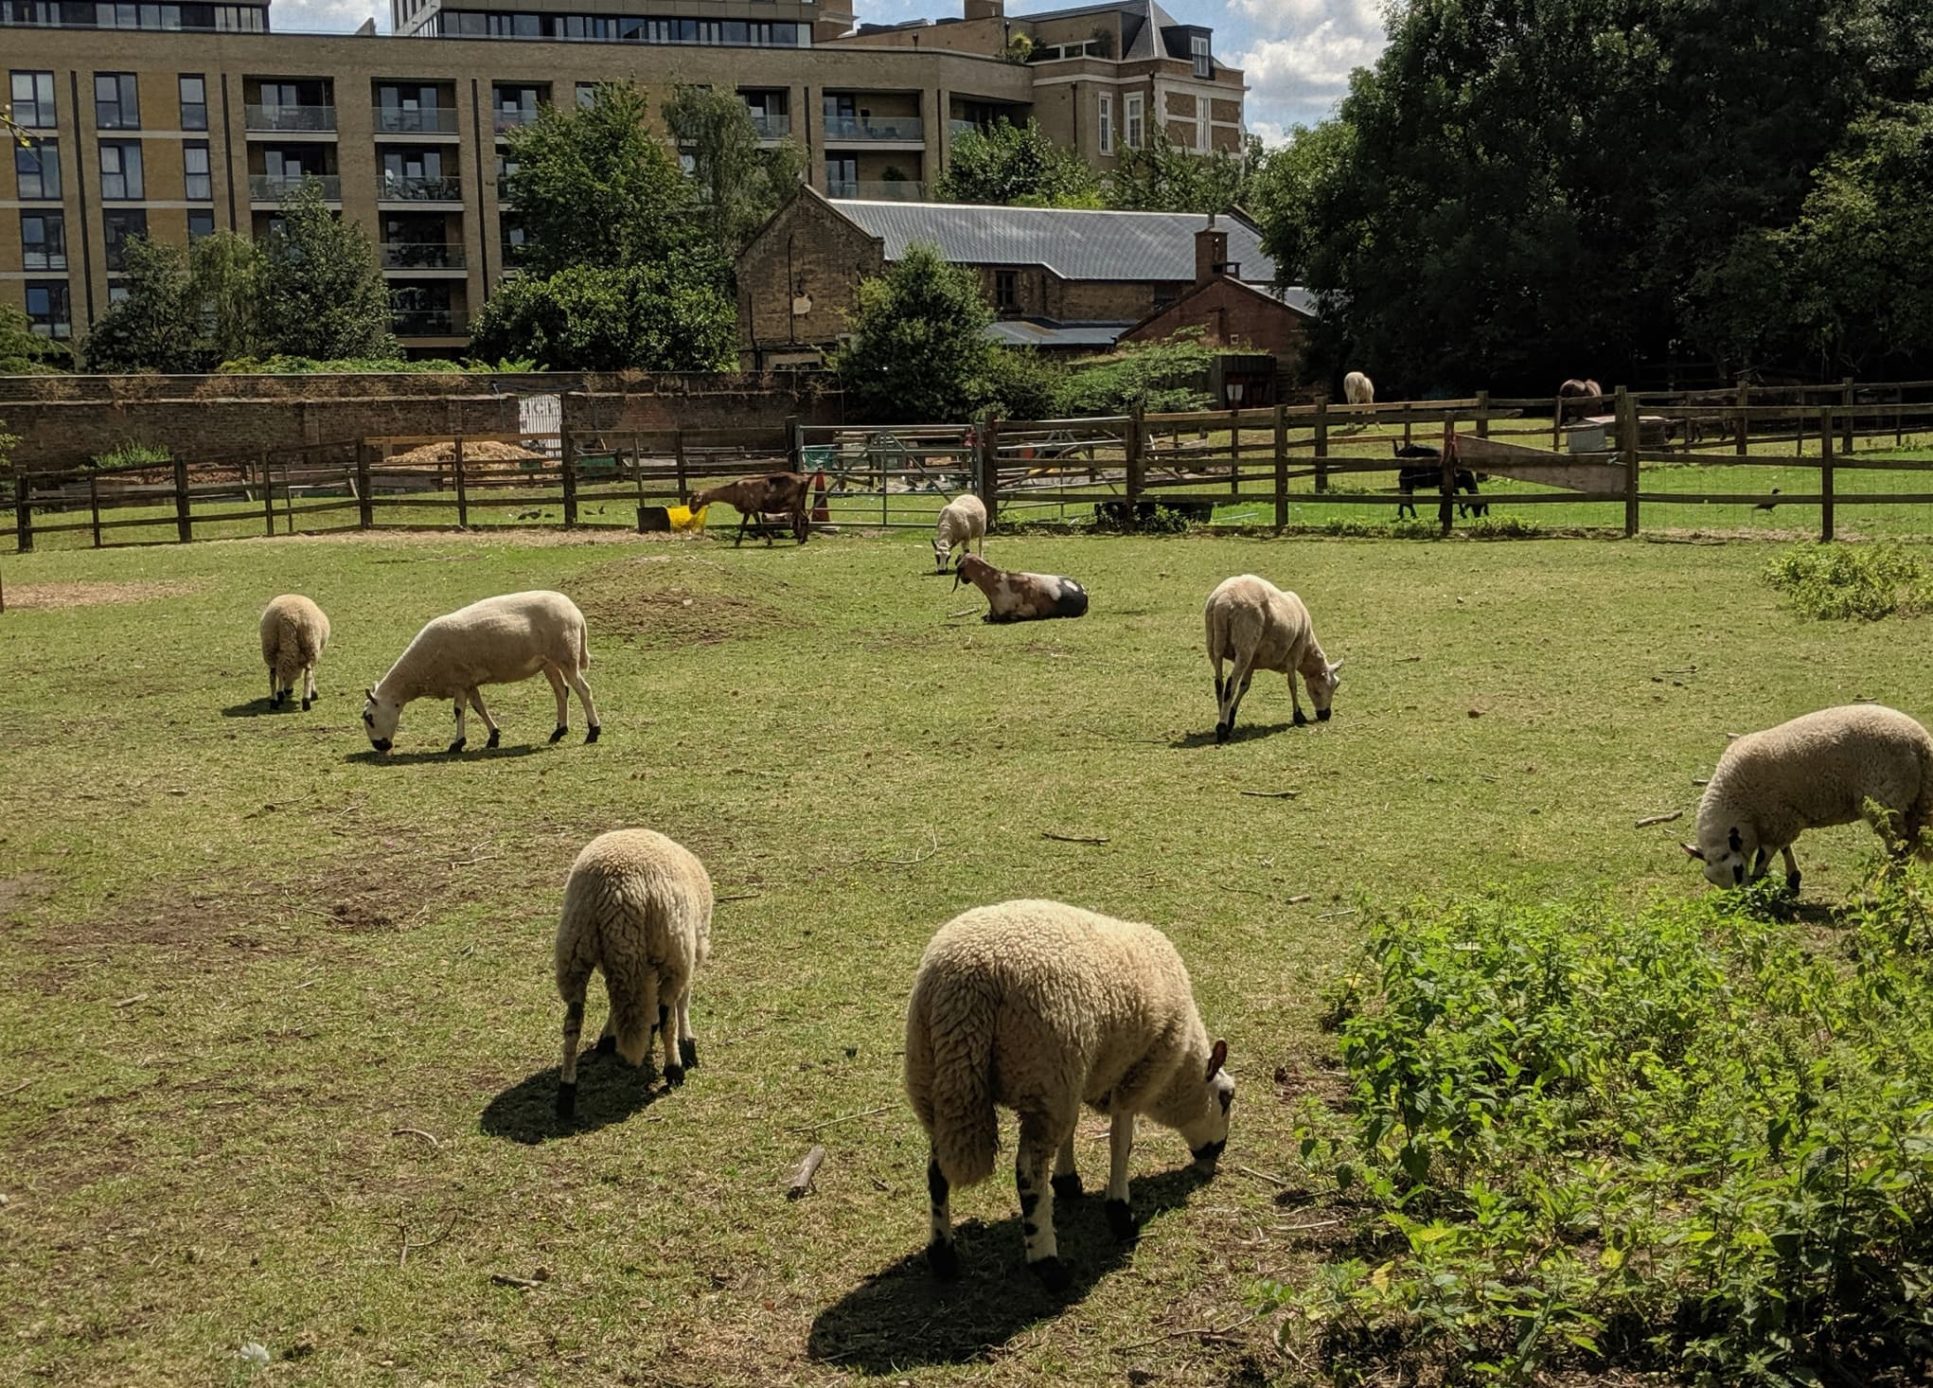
276 187
421 188
509 118
879 190
774 127
293 120
428 322
435 120
957 128
906 130
421 255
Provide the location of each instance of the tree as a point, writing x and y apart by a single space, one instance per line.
1161 176
156 326
227 272
919 349
24 352
1018 166
322 294
656 316
740 183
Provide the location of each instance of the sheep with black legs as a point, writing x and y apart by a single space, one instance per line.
294 633
1041 1007
961 521
638 907
1816 770
1261 627
499 640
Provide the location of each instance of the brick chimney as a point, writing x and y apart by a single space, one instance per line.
1211 252
986 9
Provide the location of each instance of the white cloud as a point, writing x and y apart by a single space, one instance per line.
328 16
1299 78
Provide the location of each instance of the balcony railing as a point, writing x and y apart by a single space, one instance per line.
428 322
510 117
963 127
771 127
276 187
902 128
421 255
879 190
434 120
292 118
397 188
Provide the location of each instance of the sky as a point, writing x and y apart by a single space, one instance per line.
1297 54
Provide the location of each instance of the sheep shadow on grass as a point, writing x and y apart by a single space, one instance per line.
262 708
901 1318
476 751
1243 732
609 1090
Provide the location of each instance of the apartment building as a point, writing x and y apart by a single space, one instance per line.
172 120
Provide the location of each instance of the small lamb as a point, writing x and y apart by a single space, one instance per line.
1262 627
1816 770
497 641
962 521
1042 1007
294 633
638 906
1017 597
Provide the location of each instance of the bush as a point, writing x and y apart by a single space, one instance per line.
132 454
1680 1141
1501 528
308 366
1163 377
1839 582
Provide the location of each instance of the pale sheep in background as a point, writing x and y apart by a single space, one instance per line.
294 633
1358 389
961 522
1042 1007
496 641
637 906
1816 770
1262 627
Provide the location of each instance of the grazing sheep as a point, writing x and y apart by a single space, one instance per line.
497 641
1262 627
961 522
1816 770
1042 1007
294 633
1016 597
1430 479
637 906
779 493
1358 389
1576 398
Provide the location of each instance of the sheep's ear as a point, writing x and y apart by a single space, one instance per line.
1693 851
1215 1059
369 693
1737 843
1335 667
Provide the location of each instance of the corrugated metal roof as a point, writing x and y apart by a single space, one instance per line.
1028 332
1076 245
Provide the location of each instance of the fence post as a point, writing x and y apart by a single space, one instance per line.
1744 425
268 499
1136 425
1627 414
462 492
1281 468
1322 443
365 501
570 481
184 520
94 504
990 469
678 452
1446 480
1825 472
1483 414
795 448
1846 414
23 516
1234 455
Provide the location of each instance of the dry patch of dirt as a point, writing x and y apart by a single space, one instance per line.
18 893
642 600
50 596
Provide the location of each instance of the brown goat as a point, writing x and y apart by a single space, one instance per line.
1015 597
1586 393
777 494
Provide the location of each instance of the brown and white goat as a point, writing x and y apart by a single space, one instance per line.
1015 597
777 494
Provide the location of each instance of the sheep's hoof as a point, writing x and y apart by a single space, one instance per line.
306 703
606 1045
1792 883
1121 1222
591 736
1222 732
1301 718
1052 1273
943 1261
1067 1187
567 1101
688 1053
456 746
674 1075
495 737
557 733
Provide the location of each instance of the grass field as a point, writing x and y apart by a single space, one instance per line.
281 1037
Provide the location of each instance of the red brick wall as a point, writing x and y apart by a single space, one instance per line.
1233 315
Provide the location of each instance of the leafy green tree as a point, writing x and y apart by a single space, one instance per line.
655 316
1167 375
919 348
157 326
228 275
1018 166
1161 176
740 182
322 293
24 352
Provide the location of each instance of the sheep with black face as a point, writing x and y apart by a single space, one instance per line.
1261 627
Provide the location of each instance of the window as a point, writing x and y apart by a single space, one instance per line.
1006 289
194 102
198 186
120 227
117 104
43 241
1204 63
33 100
1133 122
1201 125
47 310
37 168
116 293
200 224
1107 123
586 95
842 177
121 171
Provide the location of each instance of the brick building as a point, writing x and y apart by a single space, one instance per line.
1057 279
171 120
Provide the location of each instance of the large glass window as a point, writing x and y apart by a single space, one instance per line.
43 241
1133 127
33 100
119 227
117 104
194 102
1107 123
198 183
36 168
47 310
121 171
200 224
1204 63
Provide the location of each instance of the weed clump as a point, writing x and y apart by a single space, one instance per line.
1834 582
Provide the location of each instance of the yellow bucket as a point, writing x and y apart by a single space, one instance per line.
684 518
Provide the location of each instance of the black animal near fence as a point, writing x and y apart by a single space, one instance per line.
1847 461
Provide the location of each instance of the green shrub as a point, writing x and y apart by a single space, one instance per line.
1675 1141
1839 582
305 366
132 454
1501 528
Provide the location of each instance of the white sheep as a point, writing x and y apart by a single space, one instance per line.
1358 389
1042 1007
497 641
637 906
961 522
1261 627
1816 770
294 633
